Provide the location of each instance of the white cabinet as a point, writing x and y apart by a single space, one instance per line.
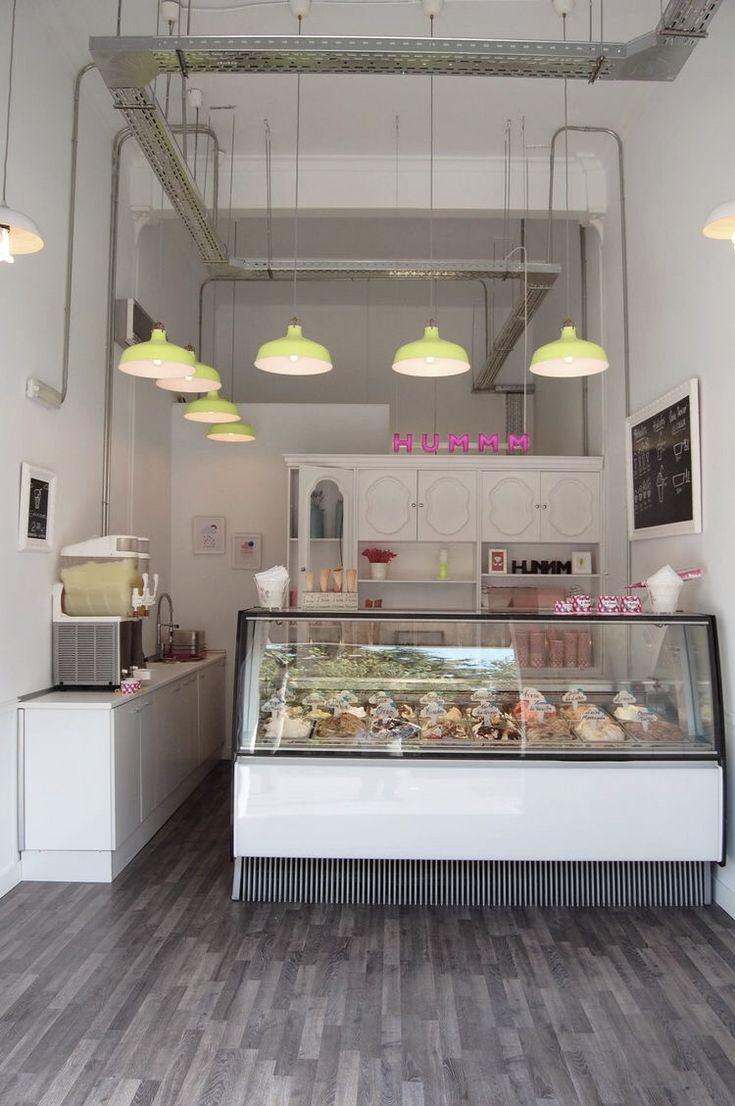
535 506
398 504
211 704
100 778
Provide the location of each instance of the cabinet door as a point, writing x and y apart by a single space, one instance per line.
447 506
126 746
510 506
187 736
211 692
168 769
326 521
570 506
386 505
67 771
150 752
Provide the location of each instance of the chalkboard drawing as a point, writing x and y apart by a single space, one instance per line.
680 447
660 447
661 482
679 479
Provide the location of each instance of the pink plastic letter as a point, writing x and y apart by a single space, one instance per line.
518 443
402 443
434 447
483 443
462 441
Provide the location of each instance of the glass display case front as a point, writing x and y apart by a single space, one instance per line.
462 685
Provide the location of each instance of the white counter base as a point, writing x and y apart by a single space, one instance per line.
478 810
102 866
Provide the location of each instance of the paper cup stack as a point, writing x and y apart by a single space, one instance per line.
272 586
664 588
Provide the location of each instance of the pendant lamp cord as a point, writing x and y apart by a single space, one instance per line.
296 184
432 280
566 180
268 194
10 96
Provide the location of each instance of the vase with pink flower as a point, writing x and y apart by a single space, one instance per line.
379 560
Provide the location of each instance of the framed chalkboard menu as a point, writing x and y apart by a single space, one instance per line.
662 460
36 509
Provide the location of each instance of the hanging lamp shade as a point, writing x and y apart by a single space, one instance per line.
18 234
231 432
720 223
431 356
156 359
293 355
211 408
201 378
569 356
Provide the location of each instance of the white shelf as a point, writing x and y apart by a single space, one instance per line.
555 576
318 539
393 580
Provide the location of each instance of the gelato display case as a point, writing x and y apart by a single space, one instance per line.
464 737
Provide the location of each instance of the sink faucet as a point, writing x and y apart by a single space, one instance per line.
165 652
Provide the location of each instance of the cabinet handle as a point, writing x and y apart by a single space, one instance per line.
537 506
544 506
414 504
420 504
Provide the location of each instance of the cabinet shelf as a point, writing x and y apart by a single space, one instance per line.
541 576
369 580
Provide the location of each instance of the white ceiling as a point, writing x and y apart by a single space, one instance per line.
353 115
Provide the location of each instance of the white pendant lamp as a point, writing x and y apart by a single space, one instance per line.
294 355
157 359
431 356
569 355
18 233
720 223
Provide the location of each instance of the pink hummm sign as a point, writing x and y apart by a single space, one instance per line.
517 443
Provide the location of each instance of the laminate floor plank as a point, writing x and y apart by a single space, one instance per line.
160 991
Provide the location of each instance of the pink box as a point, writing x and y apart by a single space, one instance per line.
608 604
564 606
582 604
631 604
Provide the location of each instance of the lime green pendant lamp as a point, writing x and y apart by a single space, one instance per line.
199 378
569 356
231 432
431 356
211 408
293 355
157 359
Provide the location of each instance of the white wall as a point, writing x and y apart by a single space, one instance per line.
69 441
679 165
247 484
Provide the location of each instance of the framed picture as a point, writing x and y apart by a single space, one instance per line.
246 551
208 534
581 563
497 562
36 508
663 466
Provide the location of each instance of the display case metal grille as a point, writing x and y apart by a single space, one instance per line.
491 883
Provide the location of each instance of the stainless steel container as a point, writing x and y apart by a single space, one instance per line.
190 644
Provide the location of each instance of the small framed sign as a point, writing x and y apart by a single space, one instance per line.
36 510
497 562
246 551
581 563
208 534
663 466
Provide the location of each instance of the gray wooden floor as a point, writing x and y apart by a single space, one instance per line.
160 990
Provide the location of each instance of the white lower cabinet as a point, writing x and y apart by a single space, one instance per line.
101 778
